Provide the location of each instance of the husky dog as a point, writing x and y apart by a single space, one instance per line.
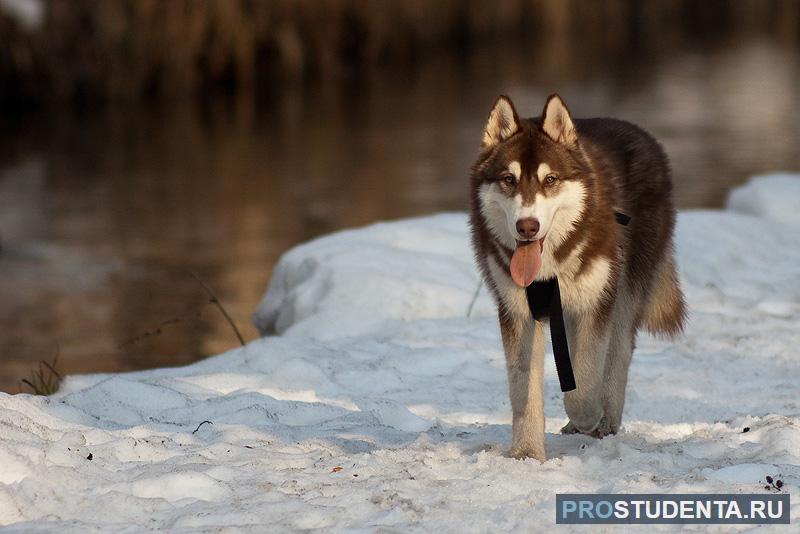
544 195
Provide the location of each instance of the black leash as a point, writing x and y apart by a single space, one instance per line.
544 301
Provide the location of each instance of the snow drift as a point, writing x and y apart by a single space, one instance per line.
381 404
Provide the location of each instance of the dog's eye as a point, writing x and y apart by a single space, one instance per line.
550 179
509 179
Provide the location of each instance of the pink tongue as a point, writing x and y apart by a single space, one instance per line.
526 262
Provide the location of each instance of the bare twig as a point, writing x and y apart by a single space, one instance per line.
215 301
474 298
201 424
157 330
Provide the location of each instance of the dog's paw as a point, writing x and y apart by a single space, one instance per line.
522 452
570 428
602 430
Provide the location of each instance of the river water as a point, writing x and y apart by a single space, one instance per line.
104 216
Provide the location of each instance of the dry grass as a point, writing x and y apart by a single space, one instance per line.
44 380
134 48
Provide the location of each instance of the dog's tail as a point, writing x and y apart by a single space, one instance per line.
665 312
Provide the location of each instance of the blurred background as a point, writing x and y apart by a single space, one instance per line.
145 140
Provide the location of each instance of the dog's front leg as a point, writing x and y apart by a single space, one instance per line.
523 341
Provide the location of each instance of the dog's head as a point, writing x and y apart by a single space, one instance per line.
529 174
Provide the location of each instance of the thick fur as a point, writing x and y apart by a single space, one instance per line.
571 175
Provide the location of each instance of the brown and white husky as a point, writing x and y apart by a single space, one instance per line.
544 195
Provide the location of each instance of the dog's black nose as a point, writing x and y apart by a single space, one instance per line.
527 228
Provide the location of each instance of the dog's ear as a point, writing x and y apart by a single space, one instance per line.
502 124
557 123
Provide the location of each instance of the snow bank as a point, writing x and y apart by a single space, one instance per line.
773 197
382 405
417 269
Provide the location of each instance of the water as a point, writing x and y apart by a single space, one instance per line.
102 219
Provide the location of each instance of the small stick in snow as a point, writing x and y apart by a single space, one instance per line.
474 298
215 301
201 424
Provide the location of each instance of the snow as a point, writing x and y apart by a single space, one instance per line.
773 197
381 405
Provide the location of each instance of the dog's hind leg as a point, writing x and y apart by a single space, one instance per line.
523 341
588 344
